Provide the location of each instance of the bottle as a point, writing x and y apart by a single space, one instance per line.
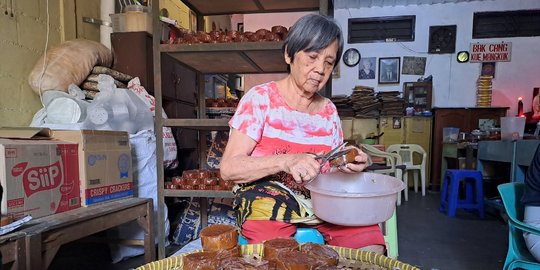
520 107
409 111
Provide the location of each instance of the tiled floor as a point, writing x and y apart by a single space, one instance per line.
427 238
432 240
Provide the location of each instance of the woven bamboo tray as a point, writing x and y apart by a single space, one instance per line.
349 259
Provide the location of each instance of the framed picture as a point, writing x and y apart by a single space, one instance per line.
240 27
396 122
488 69
413 65
366 69
389 70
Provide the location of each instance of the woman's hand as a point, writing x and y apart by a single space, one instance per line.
359 164
303 167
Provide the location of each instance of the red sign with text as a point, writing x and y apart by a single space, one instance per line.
490 52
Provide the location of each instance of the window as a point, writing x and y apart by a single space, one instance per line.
521 23
381 29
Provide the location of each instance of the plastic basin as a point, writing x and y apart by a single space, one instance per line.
354 199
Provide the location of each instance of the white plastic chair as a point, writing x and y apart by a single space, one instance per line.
394 165
406 151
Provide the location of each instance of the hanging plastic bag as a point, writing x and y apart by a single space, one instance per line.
143 150
117 109
170 151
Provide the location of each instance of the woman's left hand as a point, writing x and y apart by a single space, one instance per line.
360 163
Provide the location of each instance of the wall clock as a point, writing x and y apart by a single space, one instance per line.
351 57
462 57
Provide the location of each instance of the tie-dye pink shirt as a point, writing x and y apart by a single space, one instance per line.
264 116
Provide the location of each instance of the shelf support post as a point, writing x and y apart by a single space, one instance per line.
158 128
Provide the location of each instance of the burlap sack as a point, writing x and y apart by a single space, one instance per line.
67 63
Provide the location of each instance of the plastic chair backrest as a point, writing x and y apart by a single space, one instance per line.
406 151
391 159
394 164
518 253
511 196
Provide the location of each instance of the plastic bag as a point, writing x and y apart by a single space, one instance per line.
170 151
143 150
65 108
117 109
61 108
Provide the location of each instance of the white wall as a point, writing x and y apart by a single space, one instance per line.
22 42
454 84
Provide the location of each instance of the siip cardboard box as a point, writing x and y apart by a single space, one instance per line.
104 163
39 177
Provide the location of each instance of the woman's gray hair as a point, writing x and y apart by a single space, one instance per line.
311 33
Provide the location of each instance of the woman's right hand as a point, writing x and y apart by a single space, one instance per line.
303 167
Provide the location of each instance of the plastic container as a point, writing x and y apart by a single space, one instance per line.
369 141
131 22
63 108
135 8
512 127
354 199
450 134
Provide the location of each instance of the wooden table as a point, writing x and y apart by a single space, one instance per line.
12 247
45 236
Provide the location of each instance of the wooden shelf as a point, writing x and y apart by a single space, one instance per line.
239 58
221 7
418 95
199 124
198 193
216 58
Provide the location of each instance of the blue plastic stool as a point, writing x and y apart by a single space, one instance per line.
474 192
302 235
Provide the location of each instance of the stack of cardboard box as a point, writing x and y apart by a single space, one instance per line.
44 172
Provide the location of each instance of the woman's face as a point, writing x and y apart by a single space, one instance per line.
311 70
367 65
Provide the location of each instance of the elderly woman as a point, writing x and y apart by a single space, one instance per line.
275 127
